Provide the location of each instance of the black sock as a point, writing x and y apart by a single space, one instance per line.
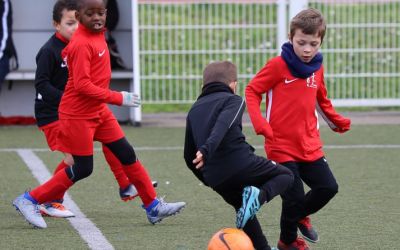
262 197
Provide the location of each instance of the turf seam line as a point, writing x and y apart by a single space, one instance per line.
174 148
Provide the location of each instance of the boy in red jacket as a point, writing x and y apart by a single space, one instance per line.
84 117
50 80
295 89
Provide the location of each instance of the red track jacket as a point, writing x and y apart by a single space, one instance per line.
291 125
87 90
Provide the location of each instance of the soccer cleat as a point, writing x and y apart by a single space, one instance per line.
250 206
163 210
30 211
307 230
298 244
130 192
55 209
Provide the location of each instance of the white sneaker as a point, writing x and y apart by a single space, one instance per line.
30 211
55 209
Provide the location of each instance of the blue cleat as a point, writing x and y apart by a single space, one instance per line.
250 206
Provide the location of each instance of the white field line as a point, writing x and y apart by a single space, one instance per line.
175 148
86 229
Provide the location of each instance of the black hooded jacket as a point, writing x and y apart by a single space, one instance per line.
214 126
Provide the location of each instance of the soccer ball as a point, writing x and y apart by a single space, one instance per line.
230 238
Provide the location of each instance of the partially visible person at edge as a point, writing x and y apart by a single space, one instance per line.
295 91
8 54
84 114
111 24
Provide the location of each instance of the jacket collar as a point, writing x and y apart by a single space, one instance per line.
61 38
213 88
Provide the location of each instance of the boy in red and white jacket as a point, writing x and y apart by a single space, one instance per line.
295 89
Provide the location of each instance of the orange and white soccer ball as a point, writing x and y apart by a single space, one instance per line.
230 239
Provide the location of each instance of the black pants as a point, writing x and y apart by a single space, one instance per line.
271 178
296 204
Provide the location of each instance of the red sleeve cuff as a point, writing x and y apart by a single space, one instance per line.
116 98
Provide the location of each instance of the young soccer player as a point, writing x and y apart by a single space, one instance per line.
84 116
218 154
295 88
51 77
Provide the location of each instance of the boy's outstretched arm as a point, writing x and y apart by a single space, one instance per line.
325 108
231 113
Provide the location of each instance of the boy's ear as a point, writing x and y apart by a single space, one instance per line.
77 16
55 25
289 38
232 86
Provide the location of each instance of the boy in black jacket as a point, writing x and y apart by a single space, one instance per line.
218 154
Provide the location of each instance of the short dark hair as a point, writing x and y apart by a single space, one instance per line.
222 72
81 4
61 5
309 21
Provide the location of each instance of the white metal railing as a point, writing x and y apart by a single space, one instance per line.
179 38
361 51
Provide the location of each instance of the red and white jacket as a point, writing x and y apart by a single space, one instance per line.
291 127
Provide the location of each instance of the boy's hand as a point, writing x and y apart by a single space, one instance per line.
130 99
343 126
199 160
267 132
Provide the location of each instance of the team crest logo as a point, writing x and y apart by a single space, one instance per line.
311 83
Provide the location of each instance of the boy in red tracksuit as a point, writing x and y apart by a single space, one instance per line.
84 117
295 89
50 80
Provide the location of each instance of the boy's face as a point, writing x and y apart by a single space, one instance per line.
68 24
305 46
93 15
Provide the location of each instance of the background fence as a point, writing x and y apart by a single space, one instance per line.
179 38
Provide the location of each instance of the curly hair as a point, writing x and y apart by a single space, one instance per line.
61 5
